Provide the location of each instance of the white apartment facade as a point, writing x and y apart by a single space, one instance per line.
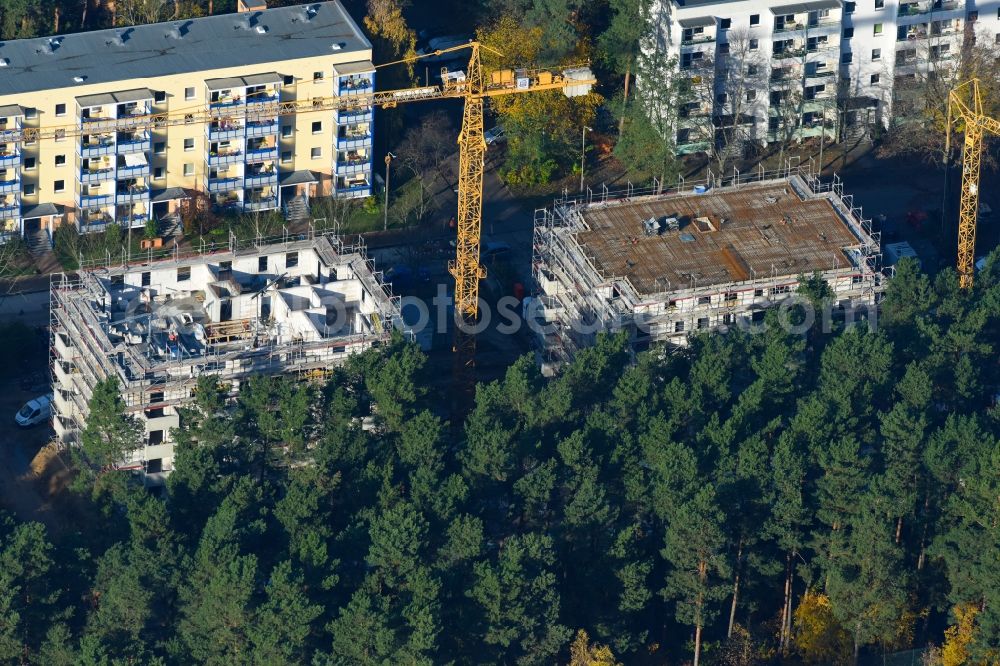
773 70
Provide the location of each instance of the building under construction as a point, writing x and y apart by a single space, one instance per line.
289 306
694 257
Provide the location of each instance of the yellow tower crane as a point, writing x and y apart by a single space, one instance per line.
965 104
473 89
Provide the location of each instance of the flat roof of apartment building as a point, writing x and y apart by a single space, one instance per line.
177 47
719 237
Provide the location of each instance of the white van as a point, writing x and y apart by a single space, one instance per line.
35 411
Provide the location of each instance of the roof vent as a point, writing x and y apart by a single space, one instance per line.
261 30
174 33
79 79
336 46
4 62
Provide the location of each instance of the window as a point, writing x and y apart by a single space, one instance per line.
29 163
678 327
879 4
30 112
188 144
155 437
849 7
316 153
317 126
158 173
758 293
876 54
725 23
845 58
160 147
755 19
875 79
781 289
189 169
60 109
184 274
998 38
286 156
878 29
189 93
59 186
722 98
317 77
261 264
848 33
704 300
751 70
60 160
286 131
146 277
60 135
154 466
288 80
291 260
972 15
754 43
731 297
159 97
29 189
702 322
724 47
751 95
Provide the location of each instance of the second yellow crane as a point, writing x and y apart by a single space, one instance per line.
965 104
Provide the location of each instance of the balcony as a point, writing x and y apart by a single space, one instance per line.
9 210
354 116
96 175
226 103
133 145
135 171
133 221
262 154
699 39
829 22
262 204
95 200
262 99
261 179
348 167
224 133
354 191
789 54
10 158
262 128
97 148
355 85
132 195
354 141
220 159
223 184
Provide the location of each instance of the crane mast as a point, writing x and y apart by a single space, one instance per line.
966 104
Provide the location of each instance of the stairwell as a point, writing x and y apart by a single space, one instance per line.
38 242
296 209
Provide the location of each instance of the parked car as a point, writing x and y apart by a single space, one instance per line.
35 411
494 135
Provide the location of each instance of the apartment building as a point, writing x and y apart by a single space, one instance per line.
771 70
665 264
294 307
80 140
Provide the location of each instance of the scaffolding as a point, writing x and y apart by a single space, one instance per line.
580 296
84 351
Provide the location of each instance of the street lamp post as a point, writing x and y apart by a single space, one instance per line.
583 153
385 214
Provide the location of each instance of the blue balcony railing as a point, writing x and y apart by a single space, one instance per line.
133 146
95 200
356 166
262 99
10 159
137 171
232 157
96 175
97 149
262 128
261 179
354 142
262 154
226 103
8 186
354 117
8 211
132 195
223 184
262 204
223 133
